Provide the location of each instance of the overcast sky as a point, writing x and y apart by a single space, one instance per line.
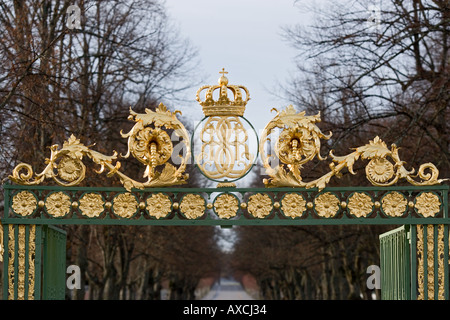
244 37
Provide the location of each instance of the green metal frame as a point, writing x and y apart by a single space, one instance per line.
395 262
50 258
243 217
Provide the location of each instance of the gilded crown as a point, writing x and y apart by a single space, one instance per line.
223 105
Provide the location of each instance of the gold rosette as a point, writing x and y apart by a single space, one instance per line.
327 205
226 206
125 205
293 205
260 205
58 204
192 206
394 204
159 205
24 203
360 204
91 205
428 204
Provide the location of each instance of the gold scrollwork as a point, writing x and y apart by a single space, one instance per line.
24 203
326 205
259 205
427 204
91 205
192 206
299 142
58 204
226 206
360 204
147 141
159 205
293 205
394 204
125 205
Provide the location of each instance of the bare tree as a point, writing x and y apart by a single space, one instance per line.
378 65
56 81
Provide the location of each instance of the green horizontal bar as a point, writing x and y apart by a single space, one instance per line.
220 222
213 190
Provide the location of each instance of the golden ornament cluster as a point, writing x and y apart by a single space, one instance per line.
224 150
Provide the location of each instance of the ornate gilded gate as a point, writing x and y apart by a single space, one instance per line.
224 147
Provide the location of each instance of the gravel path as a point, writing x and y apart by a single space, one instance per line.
227 290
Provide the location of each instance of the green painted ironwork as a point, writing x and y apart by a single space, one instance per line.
54 263
243 217
395 264
405 252
414 263
34 262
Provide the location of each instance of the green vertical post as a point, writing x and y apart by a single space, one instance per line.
5 260
54 264
38 263
413 260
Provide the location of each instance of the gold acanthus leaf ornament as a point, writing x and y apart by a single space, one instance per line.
147 142
299 143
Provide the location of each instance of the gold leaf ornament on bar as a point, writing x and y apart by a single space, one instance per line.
260 205
326 205
360 204
427 204
293 205
125 205
58 204
91 205
24 203
394 204
226 206
159 205
192 206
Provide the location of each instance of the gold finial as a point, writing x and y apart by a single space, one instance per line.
223 81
